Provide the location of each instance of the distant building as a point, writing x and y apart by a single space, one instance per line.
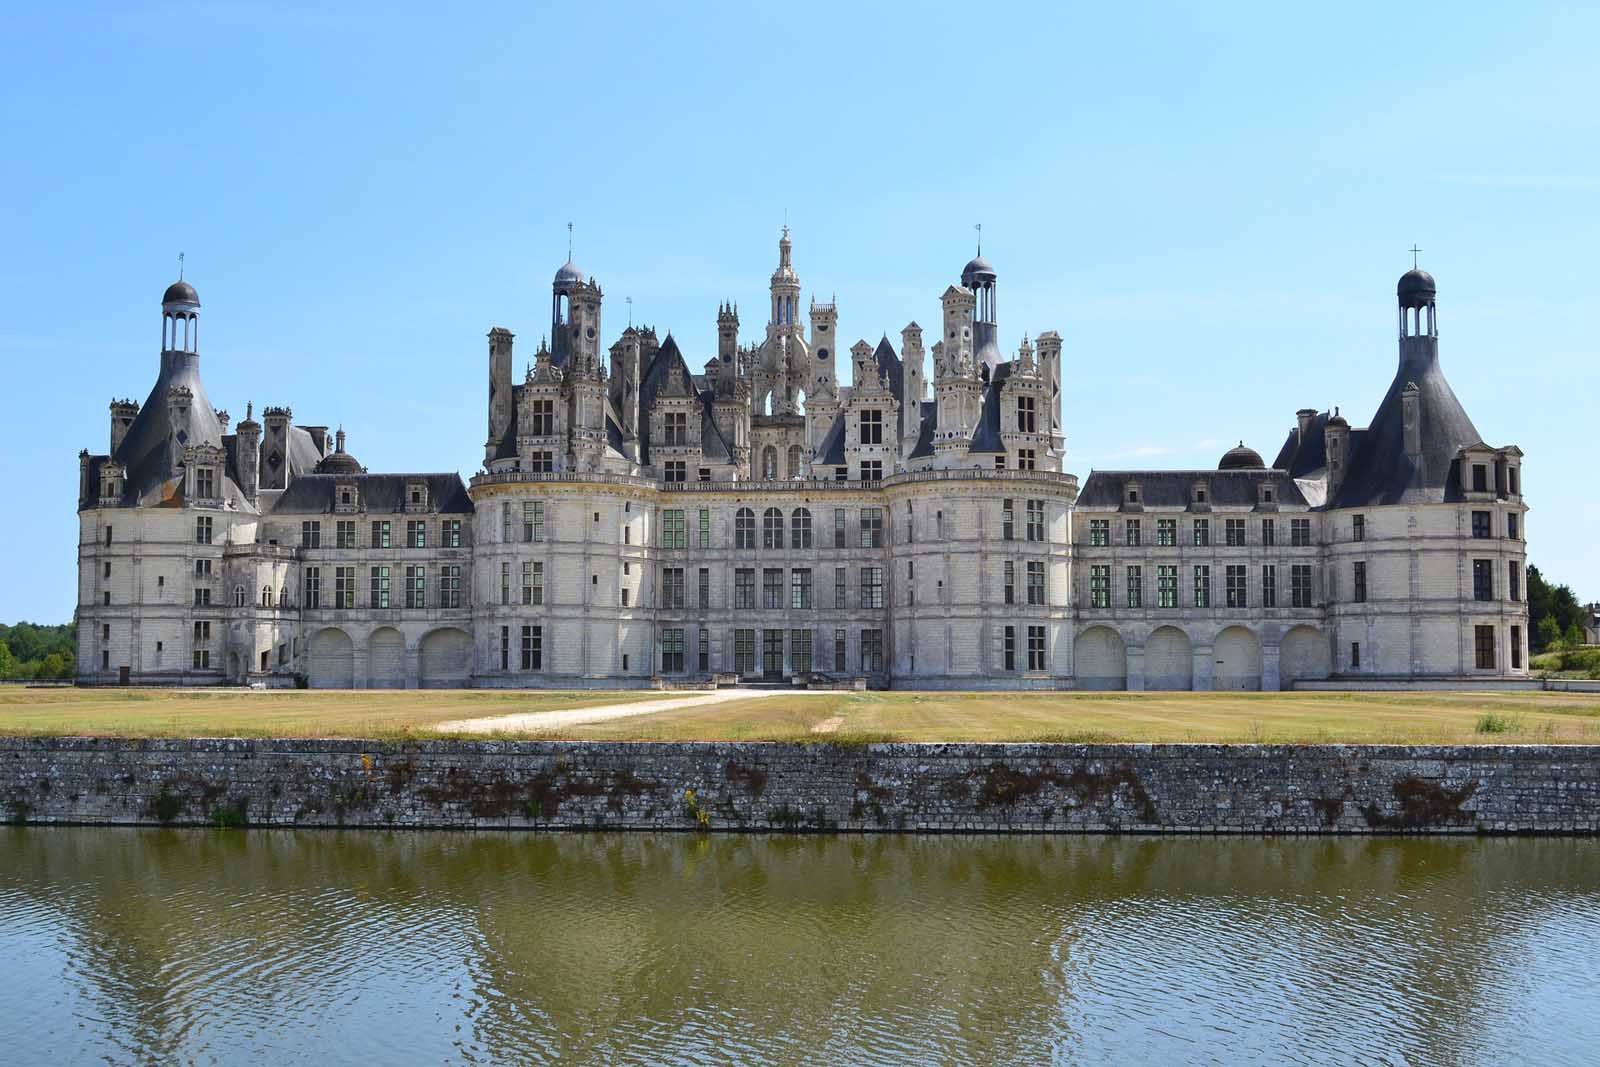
637 518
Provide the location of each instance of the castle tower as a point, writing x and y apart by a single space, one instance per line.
785 292
625 374
1416 296
824 380
123 412
978 277
956 388
727 332
1050 371
275 447
500 389
248 452
911 360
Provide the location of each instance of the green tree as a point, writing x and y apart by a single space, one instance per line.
1547 633
1573 637
8 662
53 666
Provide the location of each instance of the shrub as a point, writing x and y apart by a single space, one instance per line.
1494 723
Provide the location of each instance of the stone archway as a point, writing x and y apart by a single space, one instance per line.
386 659
332 660
1168 660
1236 659
1100 659
446 659
1304 655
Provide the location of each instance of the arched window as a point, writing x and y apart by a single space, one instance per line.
772 528
769 458
744 528
794 461
800 528
266 596
238 596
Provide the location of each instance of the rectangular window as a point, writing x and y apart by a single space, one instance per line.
533 520
542 462
108 536
505 521
800 528
505 648
1233 532
1036 581
1202 587
380 533
871 527
1355 655
1099 586
380 588
1008 526
1010 576
1300 532
677 427
202 530
505 583
1099 532
1516 645
1358 581
872 470
202 597
544 418
1269 586
1511 525
1300 585
1236 586
1166 587
705 648
1008 650
840 583
1025 420
672 651
205 483
703 588
838 651
532 582
450 533
1482 579
532 648
772 529
744 588
1202 531
872 427
1483 644
800 651
744 528
1358 528
417 533
450 586
677 470
1135 587
673 534
1480 478
1036 520
672 588
416 587
1131 532
1166 533
1481 522
1269 532
772 588
311 534
345 533
705 527
911 581
872 587
202 568
1036 648
800 589
871 651
344 587
744 651
838 528
311 588
1025 459
1513 580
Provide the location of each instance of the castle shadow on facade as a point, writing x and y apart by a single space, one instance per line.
637 519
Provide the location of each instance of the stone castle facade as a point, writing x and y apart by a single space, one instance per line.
636 519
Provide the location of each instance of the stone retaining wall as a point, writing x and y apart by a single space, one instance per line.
735 786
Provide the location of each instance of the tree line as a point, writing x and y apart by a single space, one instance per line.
29 650
1554 614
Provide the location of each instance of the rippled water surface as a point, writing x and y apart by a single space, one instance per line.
168 946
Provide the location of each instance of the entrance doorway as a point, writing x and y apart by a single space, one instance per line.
772 655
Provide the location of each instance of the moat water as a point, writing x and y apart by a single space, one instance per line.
168 946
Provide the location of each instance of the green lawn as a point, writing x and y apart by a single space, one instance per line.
1313 718
379 714
1310 718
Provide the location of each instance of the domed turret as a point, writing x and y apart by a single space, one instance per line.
339 461
569 274
180 292
1241 459
977 272
1416 289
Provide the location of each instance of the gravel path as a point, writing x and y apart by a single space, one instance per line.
545 720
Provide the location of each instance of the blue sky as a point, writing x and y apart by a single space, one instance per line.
1211 203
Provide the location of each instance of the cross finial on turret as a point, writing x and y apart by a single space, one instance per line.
1414 250
630 312
569 242
180 266
979 227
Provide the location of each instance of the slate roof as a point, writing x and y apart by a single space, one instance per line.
1171 489
145 451
313 494
986 435
930 423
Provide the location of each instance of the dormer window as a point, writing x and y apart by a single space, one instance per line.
1480 478
416 496
1266 494
1511 475
347 498
205 483
1133 496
